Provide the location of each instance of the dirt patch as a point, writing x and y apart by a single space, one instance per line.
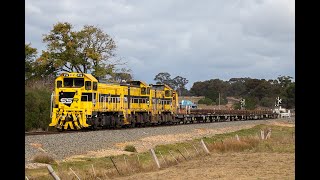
35 165
97 154
36 145
228 166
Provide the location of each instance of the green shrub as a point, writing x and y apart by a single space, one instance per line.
206 101
130 148
267 102
223 101
43 158
37 108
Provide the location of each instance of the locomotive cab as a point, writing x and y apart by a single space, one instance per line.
72 99
163 96
140 96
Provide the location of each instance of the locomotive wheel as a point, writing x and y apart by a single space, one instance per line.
94 123
147 124
59 128
133 122
112 122
132 125
122 122
150 118
117 122
163 119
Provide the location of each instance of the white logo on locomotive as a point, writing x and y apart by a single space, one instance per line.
66 100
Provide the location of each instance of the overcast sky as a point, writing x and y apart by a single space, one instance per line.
198 40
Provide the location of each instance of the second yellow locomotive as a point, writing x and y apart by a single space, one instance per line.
79 101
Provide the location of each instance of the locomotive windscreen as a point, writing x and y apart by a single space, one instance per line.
73 82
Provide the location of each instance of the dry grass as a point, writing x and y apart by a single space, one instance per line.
174 155
233 145
227 166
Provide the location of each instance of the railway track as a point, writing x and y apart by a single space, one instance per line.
101 129
48 132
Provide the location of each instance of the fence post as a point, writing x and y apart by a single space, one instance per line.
115 166
74 173
155 157
262 134
125 161
293 135
238 139
186 150
268 134
163 158
195 149
173 156
204 147
52 173
94 173
182 154
138 159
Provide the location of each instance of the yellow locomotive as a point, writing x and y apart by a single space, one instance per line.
79 101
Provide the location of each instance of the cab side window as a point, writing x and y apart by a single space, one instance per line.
88 85
59 84
143 91
95 85
148 91
168 93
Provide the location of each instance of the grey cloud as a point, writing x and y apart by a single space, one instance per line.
199 40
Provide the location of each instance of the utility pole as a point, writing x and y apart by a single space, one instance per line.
219 101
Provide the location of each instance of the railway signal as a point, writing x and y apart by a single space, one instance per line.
278 102
242 103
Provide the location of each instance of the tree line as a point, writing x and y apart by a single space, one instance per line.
256 92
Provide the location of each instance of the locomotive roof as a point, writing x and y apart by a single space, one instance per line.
138 82
161 85
75 74
90 77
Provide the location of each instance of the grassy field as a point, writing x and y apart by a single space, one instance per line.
227 153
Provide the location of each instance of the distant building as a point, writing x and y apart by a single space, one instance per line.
185 103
